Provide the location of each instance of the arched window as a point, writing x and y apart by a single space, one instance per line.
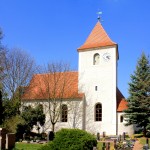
96 59
64 113
98 112
121 118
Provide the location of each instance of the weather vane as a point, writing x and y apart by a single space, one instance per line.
99 13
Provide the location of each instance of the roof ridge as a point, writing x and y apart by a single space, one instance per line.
55 72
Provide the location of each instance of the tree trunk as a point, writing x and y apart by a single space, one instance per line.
144 131
53 127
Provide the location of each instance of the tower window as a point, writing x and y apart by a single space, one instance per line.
96 88
98 112
96 59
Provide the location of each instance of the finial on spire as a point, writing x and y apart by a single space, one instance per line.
99 13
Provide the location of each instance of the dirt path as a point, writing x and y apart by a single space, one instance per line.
137 146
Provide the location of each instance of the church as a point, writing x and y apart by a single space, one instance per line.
87 99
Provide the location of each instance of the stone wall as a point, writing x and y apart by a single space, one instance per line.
10 140
3 133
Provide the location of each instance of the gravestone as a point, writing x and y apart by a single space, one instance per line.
108 146
94 148
124 135
145 147
104 146
43 136
104 134
24 136
115 144
98 136
50 136
119 138
147 141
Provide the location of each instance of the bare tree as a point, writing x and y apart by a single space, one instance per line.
2 58
18 68
76 114
58 86
58 82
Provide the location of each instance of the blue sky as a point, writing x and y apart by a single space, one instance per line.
52 30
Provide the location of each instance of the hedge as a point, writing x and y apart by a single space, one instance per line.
71 139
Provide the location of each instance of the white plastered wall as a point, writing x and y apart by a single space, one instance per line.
121 125
75 114
103 76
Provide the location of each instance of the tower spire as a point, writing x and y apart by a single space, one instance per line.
97 38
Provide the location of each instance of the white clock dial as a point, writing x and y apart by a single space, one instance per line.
107 56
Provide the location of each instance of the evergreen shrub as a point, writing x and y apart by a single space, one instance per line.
71 139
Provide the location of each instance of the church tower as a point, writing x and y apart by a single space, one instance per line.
97 79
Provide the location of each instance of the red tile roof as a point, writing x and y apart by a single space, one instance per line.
45 86
53 86
121 102
97 38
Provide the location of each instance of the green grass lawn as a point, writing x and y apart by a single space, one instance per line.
27 146
143 141
100 145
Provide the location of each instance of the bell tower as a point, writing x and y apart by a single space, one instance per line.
97 79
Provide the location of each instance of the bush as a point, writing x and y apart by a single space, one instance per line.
148 134
12 123
138 135
72 139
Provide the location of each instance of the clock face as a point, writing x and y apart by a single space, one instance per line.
106 56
